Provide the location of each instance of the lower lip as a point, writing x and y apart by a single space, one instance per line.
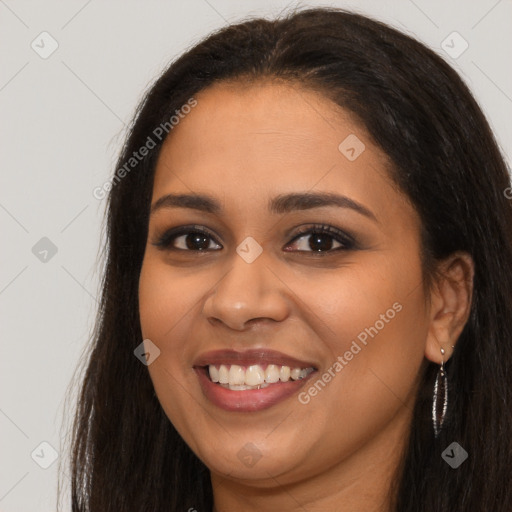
250 400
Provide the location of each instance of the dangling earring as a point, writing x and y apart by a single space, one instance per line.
440 400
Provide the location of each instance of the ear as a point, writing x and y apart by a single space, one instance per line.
450 305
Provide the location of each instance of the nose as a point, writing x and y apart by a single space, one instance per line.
247 292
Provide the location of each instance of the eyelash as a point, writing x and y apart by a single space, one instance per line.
348 243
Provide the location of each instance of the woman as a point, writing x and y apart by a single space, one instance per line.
307 298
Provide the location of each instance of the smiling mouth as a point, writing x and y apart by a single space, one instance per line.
240 378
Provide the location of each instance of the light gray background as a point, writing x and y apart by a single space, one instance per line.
62 123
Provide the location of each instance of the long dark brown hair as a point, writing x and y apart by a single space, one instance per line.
126 454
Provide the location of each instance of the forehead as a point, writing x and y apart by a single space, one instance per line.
235 121
246 143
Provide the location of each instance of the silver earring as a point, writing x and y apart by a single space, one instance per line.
440 400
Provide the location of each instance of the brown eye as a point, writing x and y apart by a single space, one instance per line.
187 239
321 239
317 242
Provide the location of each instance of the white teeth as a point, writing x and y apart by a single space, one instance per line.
272 373
284 374
236 375
237 378
304 373
294 374
214 373
254 375
223 374
244 388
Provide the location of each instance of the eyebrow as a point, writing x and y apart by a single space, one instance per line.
280 204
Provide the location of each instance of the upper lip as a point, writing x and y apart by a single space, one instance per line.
251 357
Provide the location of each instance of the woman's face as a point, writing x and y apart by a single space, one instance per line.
253 285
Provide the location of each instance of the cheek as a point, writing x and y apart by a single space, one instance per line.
380 297
372 320
154 295
165 298
163 308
